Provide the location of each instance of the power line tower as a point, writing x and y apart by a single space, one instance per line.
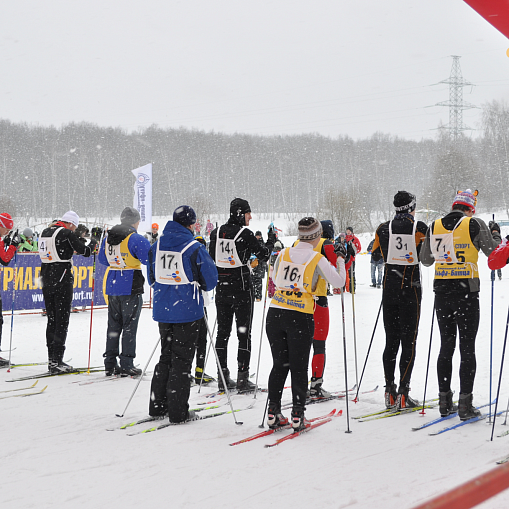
456 103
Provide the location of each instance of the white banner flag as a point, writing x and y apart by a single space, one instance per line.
143 196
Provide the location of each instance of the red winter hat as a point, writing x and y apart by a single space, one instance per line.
6 221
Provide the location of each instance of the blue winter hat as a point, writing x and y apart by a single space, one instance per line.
184 215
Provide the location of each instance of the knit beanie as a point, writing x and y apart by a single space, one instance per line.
467 198
327 229
130 216
6 221
184 215
309 229
404 201
239 207
71 217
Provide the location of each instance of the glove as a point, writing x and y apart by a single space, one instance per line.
7 239
494 227
351 249
254 263
16 239
340 250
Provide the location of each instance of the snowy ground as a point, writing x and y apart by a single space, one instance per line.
56 451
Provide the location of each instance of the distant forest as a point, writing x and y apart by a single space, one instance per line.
45 171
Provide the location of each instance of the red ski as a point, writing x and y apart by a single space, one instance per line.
288 426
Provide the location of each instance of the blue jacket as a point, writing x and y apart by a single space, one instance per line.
181 303
125 282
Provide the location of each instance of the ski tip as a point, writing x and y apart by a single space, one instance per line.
339 413
118 415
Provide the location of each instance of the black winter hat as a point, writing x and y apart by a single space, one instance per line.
184 215
404 201
327 229
258 233
239 207
129 216
349 228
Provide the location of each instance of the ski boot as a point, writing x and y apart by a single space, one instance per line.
299 421
465 408
57 368
134 372
275 419
243 383
199 374
446 406
231 384
316 391
390 395
403 400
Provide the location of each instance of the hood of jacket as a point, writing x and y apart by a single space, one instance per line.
175 236
328 229
118 233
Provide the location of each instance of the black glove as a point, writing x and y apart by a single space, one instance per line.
350 249
16 239
340 250
7 240
493 227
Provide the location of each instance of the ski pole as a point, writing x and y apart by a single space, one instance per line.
12 305
491 332
356 399
207 356
264 412
500 376
141 377
261 335
221 373
92 303
344 357
422 412
352 287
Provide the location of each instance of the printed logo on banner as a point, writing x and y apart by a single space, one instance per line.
141 181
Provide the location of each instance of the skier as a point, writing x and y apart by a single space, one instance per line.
290 324
398 243
376 266
151 236
209 227
258 271
500 256
124 250
356 244
57 244
28 244
179 269
452 244
278 246
8 246
325 247
231 246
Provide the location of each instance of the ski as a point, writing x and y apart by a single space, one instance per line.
22 388
388 410
75 371
440 419
24 394
298 433
395 412
334 396
135 423
29 364
504 434
167 424
462 423
503 460
286 426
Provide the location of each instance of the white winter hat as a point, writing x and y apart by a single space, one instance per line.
71 217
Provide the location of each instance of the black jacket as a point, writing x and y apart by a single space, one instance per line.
238 279
66 243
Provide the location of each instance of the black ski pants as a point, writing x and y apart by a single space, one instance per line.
201 344
57 300
123 317
240 305
171 383
457 312
290 336
402 309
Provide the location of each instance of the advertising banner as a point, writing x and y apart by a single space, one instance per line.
23 282
142 201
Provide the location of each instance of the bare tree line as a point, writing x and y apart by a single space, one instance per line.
45 171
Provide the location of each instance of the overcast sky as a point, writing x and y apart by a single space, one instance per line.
333 67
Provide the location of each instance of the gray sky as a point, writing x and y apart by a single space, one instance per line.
260 67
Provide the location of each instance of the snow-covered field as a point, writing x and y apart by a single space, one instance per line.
56 450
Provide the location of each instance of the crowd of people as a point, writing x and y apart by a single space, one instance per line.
182 268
